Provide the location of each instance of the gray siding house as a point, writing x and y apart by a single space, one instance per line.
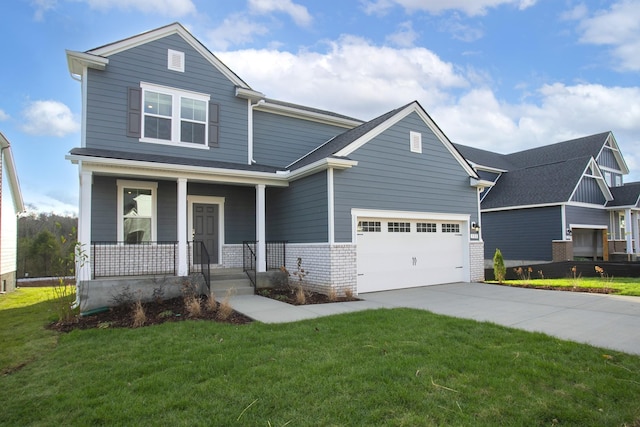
178 153
559 202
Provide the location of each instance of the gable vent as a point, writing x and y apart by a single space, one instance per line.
175 60
416 142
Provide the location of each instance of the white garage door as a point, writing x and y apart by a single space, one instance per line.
396 254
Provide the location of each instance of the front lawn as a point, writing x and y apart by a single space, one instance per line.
382 367
615 285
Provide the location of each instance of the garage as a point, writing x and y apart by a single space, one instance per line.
396 253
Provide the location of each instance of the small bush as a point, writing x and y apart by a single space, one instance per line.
333 295
499 270
192 304
348 294
212 304
139 316
301 297
225 310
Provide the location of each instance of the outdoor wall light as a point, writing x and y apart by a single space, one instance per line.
568 232
475 226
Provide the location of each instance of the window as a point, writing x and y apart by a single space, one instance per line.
450 228
369 226
399 227
172 116
426 227
136 211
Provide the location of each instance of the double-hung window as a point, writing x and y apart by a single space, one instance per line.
173 116
136 211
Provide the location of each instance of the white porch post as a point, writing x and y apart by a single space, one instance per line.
636 233
628 227
261 259
183 263
83 270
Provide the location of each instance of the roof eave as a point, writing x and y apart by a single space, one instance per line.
78 61
12 175
308 115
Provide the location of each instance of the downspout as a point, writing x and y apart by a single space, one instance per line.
250 159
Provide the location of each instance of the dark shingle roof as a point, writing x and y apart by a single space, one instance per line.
329 148
154 158
484 157
572 149
626 195
550 183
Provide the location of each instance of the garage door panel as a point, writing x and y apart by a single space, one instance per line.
395 260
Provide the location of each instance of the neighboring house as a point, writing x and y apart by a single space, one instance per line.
177 149
559 202
11 205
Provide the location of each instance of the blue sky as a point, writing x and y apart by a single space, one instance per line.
503 75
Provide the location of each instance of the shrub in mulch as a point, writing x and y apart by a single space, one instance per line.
155 312
288 295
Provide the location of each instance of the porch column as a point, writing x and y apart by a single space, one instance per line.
261 258
83 266
628 227
183 262
636 233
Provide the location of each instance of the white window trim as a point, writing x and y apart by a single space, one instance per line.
144 185
176 95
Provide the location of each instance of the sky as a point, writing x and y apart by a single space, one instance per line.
502 75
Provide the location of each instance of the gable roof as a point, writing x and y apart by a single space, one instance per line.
485 158
537 185
344 144
11 174
625 195
98 57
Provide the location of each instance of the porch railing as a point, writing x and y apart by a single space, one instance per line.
275 255
200 262
113 259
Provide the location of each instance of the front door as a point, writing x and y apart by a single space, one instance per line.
205 229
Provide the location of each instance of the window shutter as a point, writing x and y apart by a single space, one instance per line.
134 113
214 124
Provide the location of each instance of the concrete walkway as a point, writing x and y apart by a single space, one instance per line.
607 321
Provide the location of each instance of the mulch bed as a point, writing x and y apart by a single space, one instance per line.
562 288
289 296
171 310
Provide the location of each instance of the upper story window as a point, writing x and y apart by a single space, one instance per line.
173 116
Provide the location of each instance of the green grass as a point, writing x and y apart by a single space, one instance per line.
22 335
622 285
396 367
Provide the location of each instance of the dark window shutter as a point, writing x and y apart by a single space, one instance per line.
134 112
214 124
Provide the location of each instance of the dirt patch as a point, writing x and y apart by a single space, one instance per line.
289 296
171 310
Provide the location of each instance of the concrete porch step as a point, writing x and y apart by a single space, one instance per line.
232 280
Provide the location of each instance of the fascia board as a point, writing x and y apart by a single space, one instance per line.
11 174
487 168
165 170
245 93
414 107
480 183
76 61
319 166
515 208
284 110
617 154
168 30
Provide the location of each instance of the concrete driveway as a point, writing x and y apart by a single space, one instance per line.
601 320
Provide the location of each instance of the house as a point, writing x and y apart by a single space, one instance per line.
11 205
184 166
559 202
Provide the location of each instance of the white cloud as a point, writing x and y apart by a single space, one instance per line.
50 118
405 36
236 29
3 116
37 202
471 8
352 76
299 14
41 7
170 8
618 27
